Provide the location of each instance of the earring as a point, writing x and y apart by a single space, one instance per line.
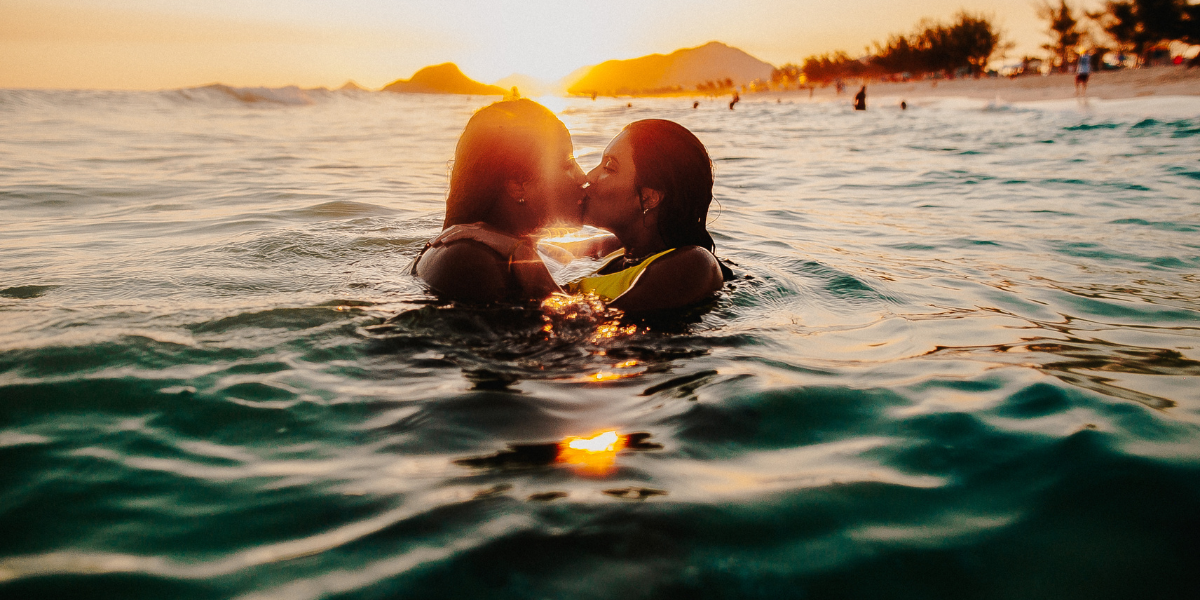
645 210
520 201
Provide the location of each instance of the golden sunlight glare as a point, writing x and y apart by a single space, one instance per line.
543 39
595 455
605 442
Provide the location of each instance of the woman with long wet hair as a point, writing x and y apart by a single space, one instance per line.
514 171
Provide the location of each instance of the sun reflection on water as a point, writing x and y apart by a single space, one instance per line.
596 455
585 317
578 313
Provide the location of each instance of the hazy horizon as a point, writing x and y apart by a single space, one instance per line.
164 44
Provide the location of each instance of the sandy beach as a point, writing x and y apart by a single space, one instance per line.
1106 85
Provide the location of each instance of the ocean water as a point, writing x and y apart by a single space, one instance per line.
961 360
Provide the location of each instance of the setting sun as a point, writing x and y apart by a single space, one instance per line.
545 40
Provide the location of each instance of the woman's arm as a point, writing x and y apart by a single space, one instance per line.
593 247
529 270
523 262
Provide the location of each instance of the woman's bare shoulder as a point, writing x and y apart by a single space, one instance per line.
697 266
691 256
466 271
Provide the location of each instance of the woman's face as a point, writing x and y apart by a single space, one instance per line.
612 195
557 189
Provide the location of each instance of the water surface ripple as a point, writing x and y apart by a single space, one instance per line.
960 360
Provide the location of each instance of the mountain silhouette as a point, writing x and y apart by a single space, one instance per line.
681 70
445 78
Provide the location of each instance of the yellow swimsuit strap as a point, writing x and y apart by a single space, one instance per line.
611 286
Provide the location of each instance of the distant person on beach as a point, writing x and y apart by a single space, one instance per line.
696 104
736 99
903 105
1082 72
860 99
652 191
514 171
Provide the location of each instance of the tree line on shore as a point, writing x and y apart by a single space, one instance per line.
1139 28
961 47
964 46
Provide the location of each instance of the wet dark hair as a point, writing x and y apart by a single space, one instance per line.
670 159
502 142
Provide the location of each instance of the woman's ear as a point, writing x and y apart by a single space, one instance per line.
515 190
650 198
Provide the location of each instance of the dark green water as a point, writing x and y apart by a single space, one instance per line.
961 361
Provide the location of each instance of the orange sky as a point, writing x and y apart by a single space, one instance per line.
157 44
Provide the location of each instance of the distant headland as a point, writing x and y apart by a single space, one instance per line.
445 78
712 66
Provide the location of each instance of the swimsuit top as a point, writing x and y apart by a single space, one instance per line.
612 285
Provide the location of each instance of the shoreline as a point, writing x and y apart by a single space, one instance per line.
1104 85
1127 84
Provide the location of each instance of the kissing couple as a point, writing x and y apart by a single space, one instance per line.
514 175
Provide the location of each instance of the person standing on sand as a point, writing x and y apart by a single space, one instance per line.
1082 72
860 99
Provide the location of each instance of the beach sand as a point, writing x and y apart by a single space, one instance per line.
1106 85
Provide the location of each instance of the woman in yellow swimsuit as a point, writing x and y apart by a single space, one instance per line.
652 191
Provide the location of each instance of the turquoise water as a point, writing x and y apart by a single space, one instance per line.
960 360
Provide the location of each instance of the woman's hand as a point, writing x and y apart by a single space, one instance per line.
479 232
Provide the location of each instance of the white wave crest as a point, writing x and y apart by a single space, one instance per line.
289 95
